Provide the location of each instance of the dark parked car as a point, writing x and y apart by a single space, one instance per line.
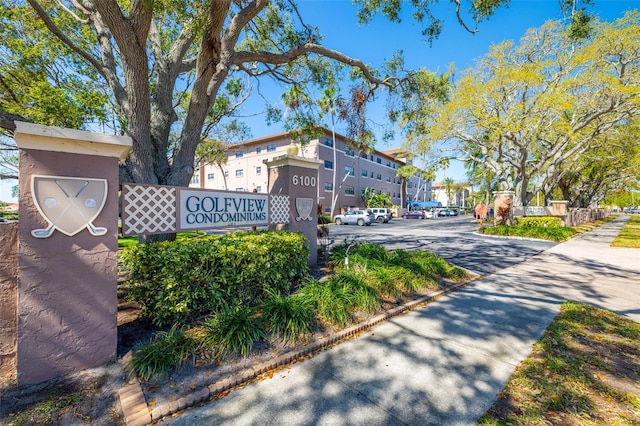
414 214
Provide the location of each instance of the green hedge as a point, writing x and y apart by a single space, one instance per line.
551 233
538 221
177 281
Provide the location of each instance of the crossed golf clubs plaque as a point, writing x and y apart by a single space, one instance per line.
304 207
68 204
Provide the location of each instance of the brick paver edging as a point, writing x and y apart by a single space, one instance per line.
137 412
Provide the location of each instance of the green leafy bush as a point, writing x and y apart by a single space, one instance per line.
538 221
323 219
179 280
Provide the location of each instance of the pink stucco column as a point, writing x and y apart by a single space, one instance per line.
503 202
68 230
296 178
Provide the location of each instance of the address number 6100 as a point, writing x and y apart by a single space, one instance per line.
304 180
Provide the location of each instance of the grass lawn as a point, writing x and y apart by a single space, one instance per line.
630 234
585 370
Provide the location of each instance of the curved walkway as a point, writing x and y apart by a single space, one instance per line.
445 363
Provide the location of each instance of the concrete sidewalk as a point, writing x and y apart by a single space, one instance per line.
443 364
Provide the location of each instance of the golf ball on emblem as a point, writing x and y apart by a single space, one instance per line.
90 203
50 203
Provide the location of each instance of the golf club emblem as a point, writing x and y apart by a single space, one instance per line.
304 206
68 204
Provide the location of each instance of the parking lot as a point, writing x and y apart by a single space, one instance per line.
452 237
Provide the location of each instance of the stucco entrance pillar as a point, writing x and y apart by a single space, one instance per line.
503 207
67 233
297 178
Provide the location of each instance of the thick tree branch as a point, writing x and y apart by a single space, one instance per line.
7 120
241 57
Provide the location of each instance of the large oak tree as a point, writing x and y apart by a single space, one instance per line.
169 70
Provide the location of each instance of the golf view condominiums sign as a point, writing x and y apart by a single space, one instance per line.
206 209
154 209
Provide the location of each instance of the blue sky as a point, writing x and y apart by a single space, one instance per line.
377 41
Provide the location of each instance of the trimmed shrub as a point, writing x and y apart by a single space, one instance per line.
551 233
538 221
177 281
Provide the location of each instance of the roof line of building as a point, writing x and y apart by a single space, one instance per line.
392 154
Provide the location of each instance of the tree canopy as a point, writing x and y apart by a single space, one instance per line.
165 73
548 112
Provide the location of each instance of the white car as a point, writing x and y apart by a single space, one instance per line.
382 215
357 217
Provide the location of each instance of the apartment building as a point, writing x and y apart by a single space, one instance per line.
458 196
354 171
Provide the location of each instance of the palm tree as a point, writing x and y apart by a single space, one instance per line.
211 151
449 187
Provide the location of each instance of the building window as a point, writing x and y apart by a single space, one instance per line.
388 179
348 170
195 178
371 176
349 190
328 142
378 160
379 177
226 173
258 188
211 176
388 163
240 189
239 154
364 155
328 165
271 148
365 173
371 157
258 150
239 173
259 170
328 186
348 151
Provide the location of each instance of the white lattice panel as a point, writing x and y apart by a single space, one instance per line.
280 209
148 209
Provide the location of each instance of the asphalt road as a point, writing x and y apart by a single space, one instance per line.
453 238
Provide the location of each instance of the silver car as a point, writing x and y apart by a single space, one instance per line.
358 217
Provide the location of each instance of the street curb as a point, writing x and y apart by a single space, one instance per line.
137 412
